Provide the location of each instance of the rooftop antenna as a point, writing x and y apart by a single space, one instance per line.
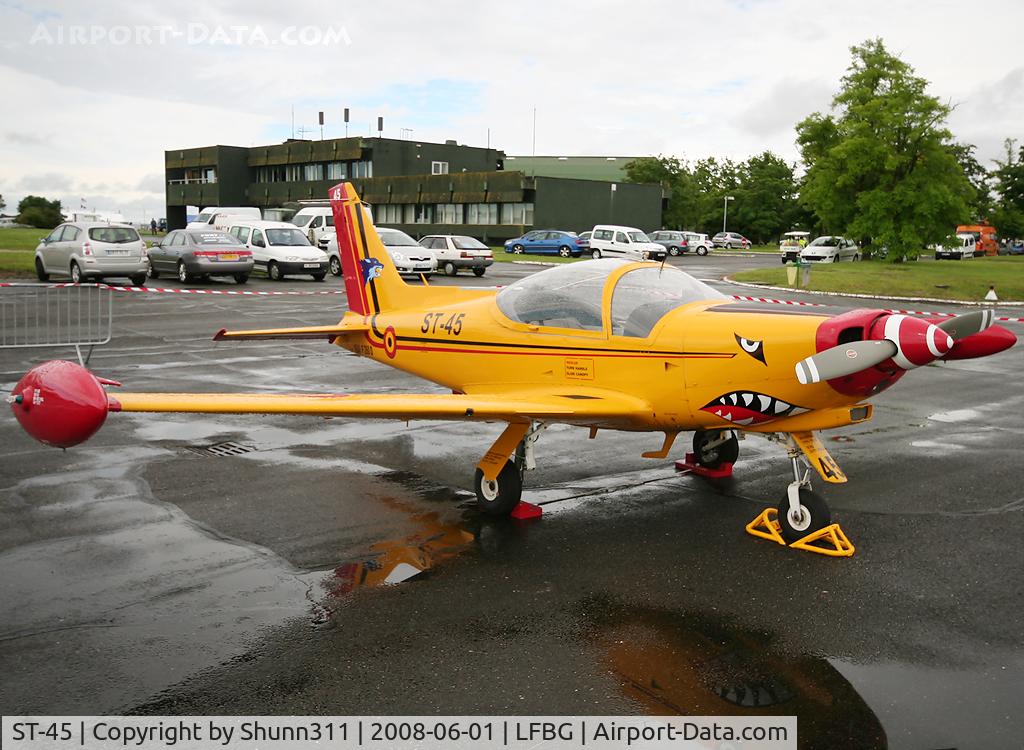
321 126
380 127
346 122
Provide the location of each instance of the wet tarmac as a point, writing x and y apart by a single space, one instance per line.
229 565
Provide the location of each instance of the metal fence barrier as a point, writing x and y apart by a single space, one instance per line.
37 315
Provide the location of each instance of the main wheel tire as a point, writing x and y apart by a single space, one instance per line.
76 273
702 250
334 264
319 276
596 255
713 457
673 250
138 280
564 251
41 273
241 278
499 497
274 271
517 249
813 515
450 269
183 275
478 272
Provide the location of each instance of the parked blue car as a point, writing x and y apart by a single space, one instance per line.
549 242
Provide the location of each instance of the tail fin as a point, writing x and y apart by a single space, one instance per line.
371 281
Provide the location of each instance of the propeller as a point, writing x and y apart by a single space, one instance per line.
909 342
968 324
843 360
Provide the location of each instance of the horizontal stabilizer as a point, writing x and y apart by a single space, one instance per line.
327 333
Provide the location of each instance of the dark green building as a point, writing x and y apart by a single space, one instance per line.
421 188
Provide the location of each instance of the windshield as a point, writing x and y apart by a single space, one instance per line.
395 238
643 297
566 296
286 237
639 237
212 238
468 243
301 221
205 217
114 235
825 242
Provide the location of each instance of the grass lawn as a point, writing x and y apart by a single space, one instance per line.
19 238
946 279
500 256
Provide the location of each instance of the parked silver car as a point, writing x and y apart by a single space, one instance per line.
410 258
91 251
197 253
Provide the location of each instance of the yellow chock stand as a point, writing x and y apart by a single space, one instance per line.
831 540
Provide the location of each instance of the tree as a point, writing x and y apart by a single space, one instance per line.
39 212
3 203
766 198
881 168
979 178
1008 215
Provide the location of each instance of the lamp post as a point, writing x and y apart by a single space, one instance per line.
725 210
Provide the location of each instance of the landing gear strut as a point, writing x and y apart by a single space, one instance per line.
802 511
500 494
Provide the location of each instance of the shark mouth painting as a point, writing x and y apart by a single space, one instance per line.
744 408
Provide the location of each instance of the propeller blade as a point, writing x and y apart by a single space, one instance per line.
968 324
842 360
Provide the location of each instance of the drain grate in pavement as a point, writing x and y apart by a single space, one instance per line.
221 449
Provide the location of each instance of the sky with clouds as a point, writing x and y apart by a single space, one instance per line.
94 93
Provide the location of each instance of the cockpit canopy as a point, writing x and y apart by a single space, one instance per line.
570 296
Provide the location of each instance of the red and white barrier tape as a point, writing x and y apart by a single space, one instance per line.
164 290
300 293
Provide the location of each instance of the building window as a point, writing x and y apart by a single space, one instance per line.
293 173
438 167
517 213
312 172
450 213
389 214
270 174
482 213
425 213
336 170
361 169
199 176
409 213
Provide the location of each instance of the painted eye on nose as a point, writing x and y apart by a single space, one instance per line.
754 348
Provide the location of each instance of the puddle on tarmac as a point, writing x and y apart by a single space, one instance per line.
673 663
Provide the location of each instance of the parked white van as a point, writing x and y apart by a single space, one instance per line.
317 222
966 248
280 249
222 217
611 241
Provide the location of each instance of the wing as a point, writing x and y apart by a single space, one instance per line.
573 407
327 333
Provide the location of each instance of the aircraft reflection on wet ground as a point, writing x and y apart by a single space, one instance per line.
668 663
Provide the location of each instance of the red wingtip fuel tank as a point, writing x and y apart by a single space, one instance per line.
59 403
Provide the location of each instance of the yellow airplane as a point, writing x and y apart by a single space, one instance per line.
605 344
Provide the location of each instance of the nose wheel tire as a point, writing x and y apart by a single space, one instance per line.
812 515
499 497
712 456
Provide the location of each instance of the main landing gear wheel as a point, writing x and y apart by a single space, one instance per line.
710 453
499 497
812 515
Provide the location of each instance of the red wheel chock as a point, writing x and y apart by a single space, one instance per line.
831 540
690 464
526 511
